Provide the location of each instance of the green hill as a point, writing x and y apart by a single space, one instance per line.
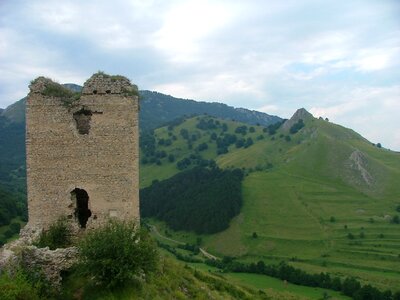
316 194
322 198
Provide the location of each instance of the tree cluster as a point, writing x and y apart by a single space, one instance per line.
224 142
11 206
296 126
349 286
241 130
204 124
200 199
271 129
194 160
186 258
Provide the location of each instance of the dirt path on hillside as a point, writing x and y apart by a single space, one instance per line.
204 252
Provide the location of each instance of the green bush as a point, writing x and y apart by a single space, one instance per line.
17 286
57 236
117 253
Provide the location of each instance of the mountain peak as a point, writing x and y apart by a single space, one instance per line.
301 113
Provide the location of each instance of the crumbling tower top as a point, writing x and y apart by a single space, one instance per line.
101 84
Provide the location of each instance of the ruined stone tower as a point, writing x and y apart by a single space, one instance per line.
82 151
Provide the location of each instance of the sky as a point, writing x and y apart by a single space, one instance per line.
338 59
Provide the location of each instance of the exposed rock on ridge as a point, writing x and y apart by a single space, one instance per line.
301 113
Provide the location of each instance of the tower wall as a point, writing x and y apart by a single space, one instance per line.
89 144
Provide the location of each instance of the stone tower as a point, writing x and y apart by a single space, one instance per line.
82 151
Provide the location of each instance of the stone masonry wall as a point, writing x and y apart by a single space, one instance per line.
61 157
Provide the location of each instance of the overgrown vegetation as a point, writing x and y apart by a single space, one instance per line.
58 235
20 281
17 286
67 96
54 89
203 200
117 253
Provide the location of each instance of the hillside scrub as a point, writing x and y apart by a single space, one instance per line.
17 286
203 200
117 253
59 235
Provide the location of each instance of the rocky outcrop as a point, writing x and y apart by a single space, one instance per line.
22 253
301 113
358 163
50 262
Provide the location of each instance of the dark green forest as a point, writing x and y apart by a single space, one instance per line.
12 155
202 200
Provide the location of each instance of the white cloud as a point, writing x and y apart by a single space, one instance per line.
341 59
186 24
371 111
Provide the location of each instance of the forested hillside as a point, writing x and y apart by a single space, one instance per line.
200 199
157 109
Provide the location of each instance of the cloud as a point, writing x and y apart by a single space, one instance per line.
340 59
186 24
371 111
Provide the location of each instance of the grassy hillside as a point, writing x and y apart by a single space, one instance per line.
195 281
322 199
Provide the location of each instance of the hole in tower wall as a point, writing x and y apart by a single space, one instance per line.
82 119
82 212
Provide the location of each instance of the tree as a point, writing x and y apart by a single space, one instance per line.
171 158
248 142
255 235
350 286
396 219
202 147
379 145
117 253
